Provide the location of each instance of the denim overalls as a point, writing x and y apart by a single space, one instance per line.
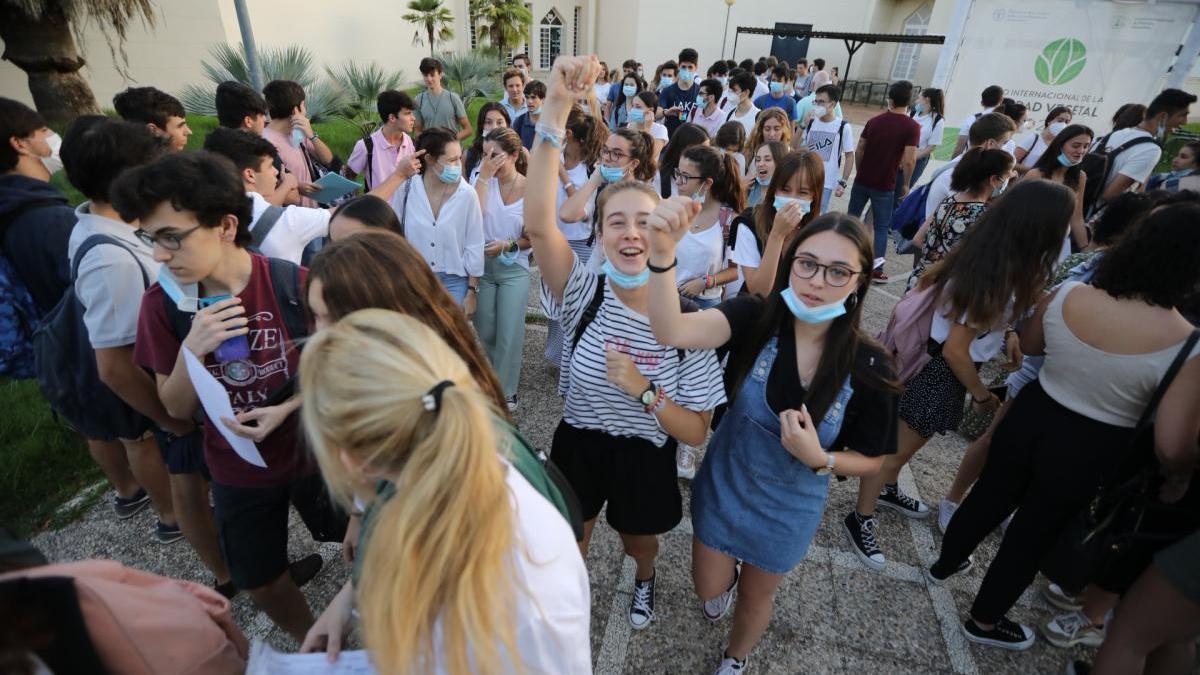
751 498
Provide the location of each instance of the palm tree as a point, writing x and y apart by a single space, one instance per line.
434 18
504 23
40 38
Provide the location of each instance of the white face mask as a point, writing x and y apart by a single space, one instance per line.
53 162
1057 128
820 111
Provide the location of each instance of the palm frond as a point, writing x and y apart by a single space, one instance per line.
471 75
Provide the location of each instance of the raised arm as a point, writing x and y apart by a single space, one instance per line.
574 209
667 224
570 76
405 169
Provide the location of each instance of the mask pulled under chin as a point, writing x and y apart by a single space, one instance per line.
623 280
812 315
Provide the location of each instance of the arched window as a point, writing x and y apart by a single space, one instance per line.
908 55
550 42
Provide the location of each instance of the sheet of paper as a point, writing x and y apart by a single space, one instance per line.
266 661
333 188
215 401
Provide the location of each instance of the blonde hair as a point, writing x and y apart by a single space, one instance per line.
440 550
756 136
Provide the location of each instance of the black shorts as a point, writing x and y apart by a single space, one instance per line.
252 525
183 454
636 478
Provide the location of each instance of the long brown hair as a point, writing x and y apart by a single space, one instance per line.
509 142
641 148
813 169
377 268
1007 256
756 135
722 169
590 132
845 336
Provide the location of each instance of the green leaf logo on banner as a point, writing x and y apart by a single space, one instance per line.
1060 62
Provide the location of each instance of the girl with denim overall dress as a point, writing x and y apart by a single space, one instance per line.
761 490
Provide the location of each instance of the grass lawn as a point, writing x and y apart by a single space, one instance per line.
44 463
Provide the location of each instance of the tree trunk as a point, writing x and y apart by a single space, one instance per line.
46 51
429 29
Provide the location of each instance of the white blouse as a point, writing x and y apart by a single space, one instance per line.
504 221
452 243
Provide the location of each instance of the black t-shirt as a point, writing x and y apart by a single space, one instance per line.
684 98
869 426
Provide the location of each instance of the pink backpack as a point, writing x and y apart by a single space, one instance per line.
907 332
143 624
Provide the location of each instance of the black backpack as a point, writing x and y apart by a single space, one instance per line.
686 305
1098 165
266 223
66 363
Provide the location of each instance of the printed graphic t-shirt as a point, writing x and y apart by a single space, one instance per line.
273 359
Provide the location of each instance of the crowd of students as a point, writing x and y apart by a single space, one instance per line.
696 280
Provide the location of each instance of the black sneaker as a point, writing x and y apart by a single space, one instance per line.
127 507
227 589
1005 634
937 576
167 534
641 612
303 570
861 532
892 498
1078 668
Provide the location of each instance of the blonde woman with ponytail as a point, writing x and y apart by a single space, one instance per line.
466 568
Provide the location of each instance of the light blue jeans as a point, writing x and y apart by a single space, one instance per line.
455 284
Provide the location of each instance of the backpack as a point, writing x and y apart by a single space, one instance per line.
106 617
548 479
686 305
266 222
66 363
837 150
906 337
1098 165
910 213
19 314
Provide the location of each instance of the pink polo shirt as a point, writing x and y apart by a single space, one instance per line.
384 157
293 158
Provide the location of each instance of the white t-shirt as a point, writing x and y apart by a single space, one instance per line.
761 88
965 127
830 140
746 253
700 254
110 285
746 120
939 188
592 402
504 221
582 229
820 79
453 242
931 132
1035 146
659 132
1138 161
984 347
297 226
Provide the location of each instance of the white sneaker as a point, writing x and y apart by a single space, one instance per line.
1073 628
512 403
716 609
730 666
685 462
1055 595
946 509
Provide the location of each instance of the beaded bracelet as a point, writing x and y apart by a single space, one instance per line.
552 135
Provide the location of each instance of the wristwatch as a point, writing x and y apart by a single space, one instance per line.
314 137
649 396
473 289
842 182
830 460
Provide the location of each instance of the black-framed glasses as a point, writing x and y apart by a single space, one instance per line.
681 177
612 155
171 241
836 275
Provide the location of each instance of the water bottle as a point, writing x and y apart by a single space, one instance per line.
236 348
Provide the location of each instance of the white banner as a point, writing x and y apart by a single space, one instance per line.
1090 55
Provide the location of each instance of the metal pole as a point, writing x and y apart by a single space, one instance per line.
1185 58
725 35
255 68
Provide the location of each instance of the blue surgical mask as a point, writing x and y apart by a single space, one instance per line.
781 201
776 87
297 138
1000 189
629 90
611 174
507 258
808 314
664 82
686 76
1161 134
763 181
699 196
1065 161
623 280
919 108
700 101
451 173
637 115
724 81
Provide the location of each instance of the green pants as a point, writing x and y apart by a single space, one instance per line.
500 319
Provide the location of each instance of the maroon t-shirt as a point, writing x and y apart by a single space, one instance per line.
884 138
273 359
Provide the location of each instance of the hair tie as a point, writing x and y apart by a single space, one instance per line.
432 400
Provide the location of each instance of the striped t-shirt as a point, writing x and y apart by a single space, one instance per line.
592 402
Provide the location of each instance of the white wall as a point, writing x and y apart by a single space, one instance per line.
167 57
